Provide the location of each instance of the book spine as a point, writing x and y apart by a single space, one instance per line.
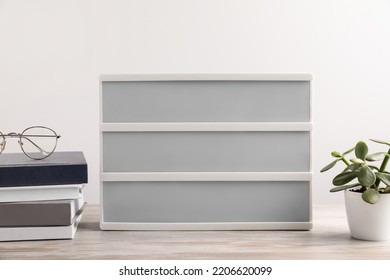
43 175
46 213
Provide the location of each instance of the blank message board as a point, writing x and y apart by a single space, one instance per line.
205 152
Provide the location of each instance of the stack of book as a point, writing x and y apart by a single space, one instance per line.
41 199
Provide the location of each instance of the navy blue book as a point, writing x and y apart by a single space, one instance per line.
60 168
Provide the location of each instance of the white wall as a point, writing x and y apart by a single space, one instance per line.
52 52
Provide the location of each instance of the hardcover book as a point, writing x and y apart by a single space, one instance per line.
39 233
38 193
60 168
42 213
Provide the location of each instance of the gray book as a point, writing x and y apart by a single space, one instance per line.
40 213
40 232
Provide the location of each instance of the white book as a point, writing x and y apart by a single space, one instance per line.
39 233
38 193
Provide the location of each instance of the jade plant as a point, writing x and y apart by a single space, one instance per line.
360 174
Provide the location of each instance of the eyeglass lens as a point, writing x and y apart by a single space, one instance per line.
2 142
38 142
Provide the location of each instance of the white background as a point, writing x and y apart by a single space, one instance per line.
52 53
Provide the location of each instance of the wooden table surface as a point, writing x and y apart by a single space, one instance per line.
329 239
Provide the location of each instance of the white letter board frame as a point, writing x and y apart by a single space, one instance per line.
154 177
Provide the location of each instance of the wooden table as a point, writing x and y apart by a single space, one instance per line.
329 239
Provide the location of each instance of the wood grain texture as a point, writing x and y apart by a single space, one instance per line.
329 239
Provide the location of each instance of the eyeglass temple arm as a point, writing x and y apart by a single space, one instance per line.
32 135
32 142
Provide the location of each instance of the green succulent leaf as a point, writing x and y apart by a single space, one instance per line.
346 187
347 152
386 190
371 196
380 142
361 150
358 161
336 154
384 177
374 167
376 156
352 167
366 176
329 166
344 178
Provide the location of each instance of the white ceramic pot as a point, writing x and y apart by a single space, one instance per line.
368 221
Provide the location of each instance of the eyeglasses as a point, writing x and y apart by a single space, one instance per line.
36 142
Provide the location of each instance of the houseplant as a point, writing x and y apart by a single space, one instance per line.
366 184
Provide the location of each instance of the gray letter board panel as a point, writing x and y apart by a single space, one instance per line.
154 178
206 151
207 202
206 101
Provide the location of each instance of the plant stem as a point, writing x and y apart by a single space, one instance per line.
345 161
382 168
